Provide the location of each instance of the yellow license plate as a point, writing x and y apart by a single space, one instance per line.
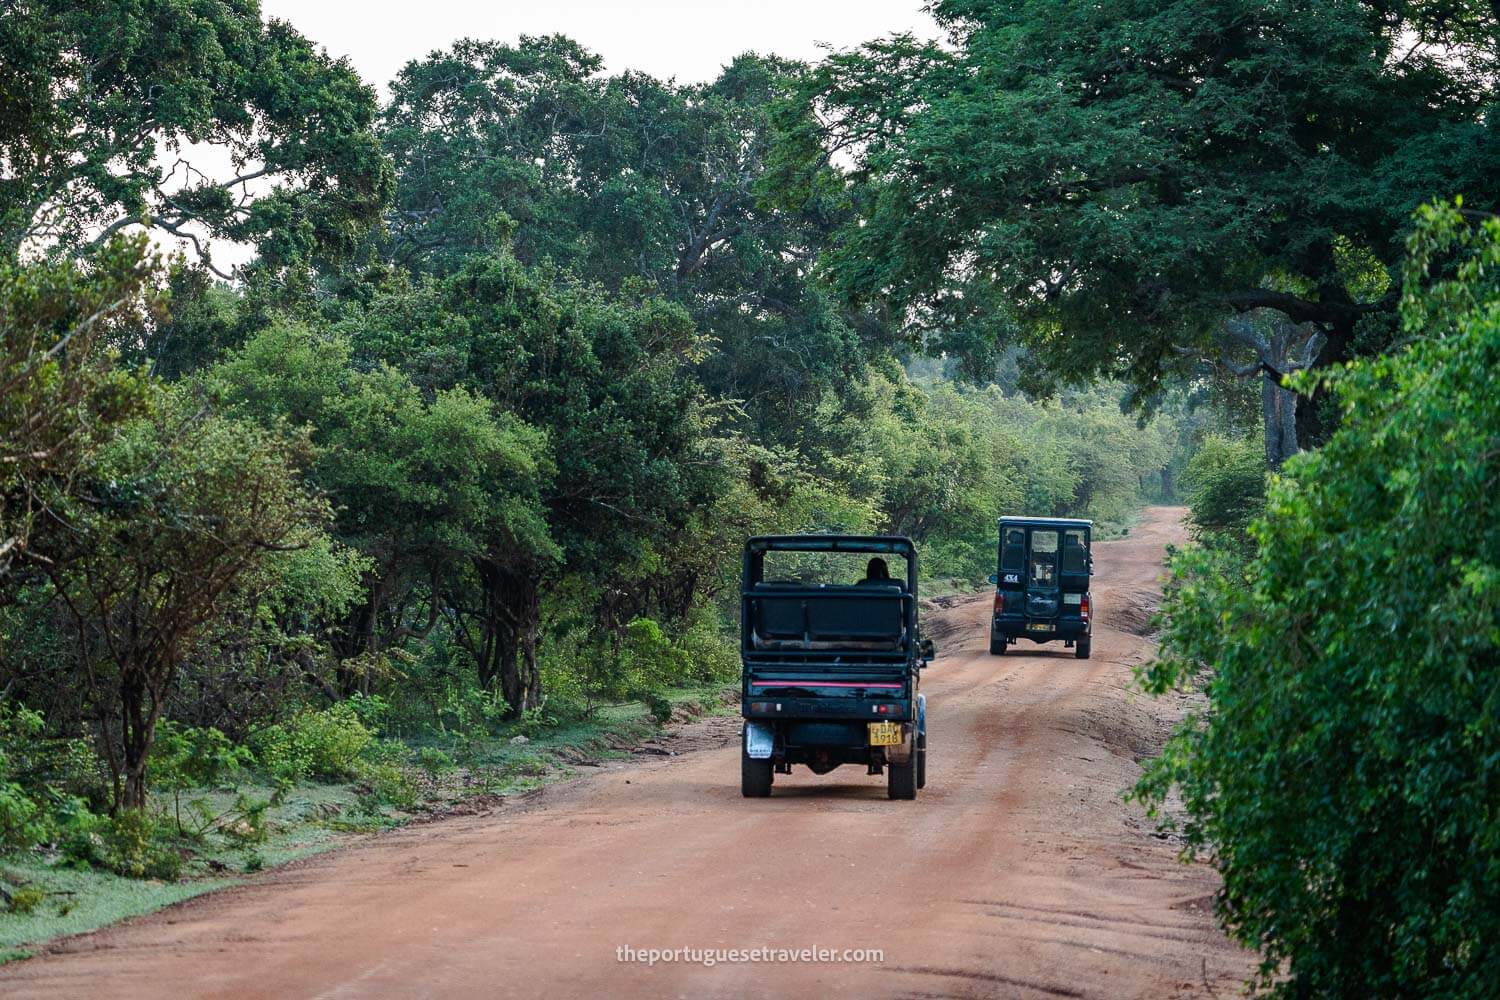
1040 626
885 734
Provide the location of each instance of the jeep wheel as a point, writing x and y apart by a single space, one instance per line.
997 647
1082 651
755 776
901 779
922 761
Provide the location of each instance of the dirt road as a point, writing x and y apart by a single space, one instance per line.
1016 873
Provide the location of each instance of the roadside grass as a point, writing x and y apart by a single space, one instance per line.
60 901
77 901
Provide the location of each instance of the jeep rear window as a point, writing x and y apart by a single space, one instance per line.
1075 555
1043 569
1013 551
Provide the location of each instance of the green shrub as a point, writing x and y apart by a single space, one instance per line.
658 704
21 823
37 779
1225 482
246 822
323 744
80 834
1346 773
711 647
650 659
387 785
434 761
132 847
186 757
24 901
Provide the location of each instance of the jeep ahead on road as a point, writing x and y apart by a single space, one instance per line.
832 660
1042 587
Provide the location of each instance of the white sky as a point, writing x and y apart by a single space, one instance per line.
686 39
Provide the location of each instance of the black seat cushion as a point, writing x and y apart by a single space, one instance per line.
875 615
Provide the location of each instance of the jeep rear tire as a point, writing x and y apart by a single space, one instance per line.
997 647
901 779
1082 650
922 761
755 776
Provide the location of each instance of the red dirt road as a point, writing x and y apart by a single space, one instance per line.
1016 873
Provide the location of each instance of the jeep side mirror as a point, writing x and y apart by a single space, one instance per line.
927 649
994 578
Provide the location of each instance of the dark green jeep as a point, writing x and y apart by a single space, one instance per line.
832 660
1042 587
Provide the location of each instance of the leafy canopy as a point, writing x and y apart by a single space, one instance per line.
108 110
1124 175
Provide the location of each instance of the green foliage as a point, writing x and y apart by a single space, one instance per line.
1226 487
185 757
1118 178
186 517
1343 773
61 395
133 847
325 743
629 182
26 900
435 761
20 825
941 462
101 105
387 784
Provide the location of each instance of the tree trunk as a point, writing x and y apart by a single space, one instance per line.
509 631
1279 414
1315 421
136 731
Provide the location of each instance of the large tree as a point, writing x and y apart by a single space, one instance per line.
1126 177
608 380
624 180
193 117
184 514
425 482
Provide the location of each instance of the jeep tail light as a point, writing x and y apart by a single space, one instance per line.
999 602
1083 608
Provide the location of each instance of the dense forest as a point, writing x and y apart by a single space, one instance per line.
520 358
465 451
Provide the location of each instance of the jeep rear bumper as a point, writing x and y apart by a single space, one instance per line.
1021 628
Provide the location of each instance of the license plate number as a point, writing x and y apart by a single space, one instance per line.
885 734
1040 626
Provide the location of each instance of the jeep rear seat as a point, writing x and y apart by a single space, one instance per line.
873 620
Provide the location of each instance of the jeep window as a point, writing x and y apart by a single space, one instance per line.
1075 554
1043 569
1013 552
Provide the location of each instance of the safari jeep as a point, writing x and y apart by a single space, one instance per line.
832 660
1042 587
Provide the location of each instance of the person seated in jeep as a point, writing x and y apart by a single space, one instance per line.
876 571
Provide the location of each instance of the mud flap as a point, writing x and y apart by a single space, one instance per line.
921 715
901 752
760 741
